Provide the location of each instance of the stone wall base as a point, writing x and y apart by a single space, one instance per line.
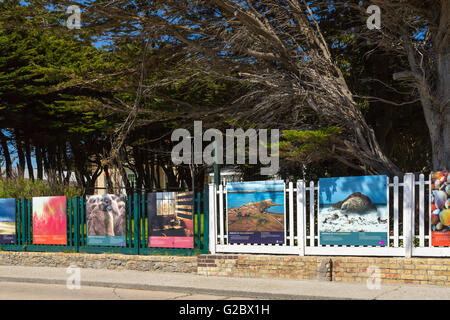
101 261
434 271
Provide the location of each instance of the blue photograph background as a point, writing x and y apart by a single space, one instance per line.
7 210
7 221
333 190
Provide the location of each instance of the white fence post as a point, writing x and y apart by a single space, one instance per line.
396 206
291 215
212 218
422 210
221 210
408 213
301 216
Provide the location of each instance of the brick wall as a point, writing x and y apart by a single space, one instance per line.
434 271
393 270
261 266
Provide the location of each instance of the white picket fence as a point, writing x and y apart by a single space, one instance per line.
408 203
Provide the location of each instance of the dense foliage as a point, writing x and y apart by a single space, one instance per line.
107 97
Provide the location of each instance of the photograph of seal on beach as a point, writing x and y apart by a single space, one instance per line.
255 212
440 208
7 221
353 211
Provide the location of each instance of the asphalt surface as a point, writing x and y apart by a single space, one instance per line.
40 291
103 284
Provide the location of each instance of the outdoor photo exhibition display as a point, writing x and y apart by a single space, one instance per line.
105 216
353 211
49 220
255 212
440 208
7 221
171 223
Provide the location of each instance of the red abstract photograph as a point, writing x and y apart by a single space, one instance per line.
49 220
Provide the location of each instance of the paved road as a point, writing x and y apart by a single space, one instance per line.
99 284
38 291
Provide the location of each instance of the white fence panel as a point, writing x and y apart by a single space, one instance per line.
408 223
220 240
392 248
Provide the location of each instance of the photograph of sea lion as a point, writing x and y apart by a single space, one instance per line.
353 210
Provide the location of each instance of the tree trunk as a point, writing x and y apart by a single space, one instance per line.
45 160
435 99
436 105
6 154
58 164
171 179
51 164
439 126
92 178
21 156
158 175
79 163
38 152
28 158
148 175
109 183
441 132
139 164
152 173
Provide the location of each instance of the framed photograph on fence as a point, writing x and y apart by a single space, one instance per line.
7 221
256 212
105 218
440 208
171 223
353 211
49 220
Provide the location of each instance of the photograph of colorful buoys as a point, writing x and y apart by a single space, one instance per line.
353 211
7 221
440 208
49 220
106 220
255 212
171 223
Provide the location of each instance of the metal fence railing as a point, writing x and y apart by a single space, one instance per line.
137 233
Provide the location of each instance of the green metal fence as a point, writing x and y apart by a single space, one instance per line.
136 229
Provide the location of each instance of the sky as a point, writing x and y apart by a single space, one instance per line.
12 150
268 185
7 210
333 190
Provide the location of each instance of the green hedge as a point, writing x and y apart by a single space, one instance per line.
26 188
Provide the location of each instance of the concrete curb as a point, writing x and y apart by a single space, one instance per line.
190 290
